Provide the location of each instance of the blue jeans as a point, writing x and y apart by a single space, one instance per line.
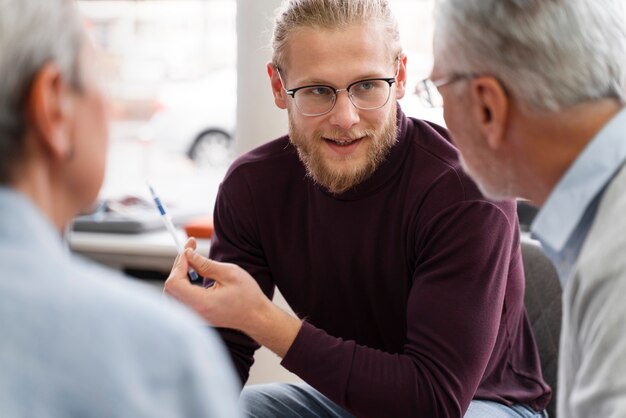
286 400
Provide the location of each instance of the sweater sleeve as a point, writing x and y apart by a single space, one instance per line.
456 306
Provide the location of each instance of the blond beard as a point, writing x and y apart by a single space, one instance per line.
338 180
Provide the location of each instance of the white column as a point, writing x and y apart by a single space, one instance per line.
258 119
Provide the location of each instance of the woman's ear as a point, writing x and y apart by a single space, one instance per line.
50 108
491 109
280 98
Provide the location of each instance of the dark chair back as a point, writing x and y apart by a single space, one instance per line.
543 303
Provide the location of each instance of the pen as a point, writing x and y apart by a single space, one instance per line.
194 277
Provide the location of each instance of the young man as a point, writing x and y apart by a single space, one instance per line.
78 340
408 282
534 97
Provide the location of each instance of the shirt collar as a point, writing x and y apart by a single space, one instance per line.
23 223
583 181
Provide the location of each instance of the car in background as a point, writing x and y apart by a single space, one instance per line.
196 118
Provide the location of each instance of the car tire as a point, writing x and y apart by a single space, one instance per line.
212 147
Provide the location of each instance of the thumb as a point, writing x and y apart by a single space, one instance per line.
207 268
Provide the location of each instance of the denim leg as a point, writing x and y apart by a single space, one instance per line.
286 400
489 409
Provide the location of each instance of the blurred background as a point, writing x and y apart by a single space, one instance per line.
171 69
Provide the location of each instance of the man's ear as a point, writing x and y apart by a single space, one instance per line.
491 107
49 108
280 98
401 77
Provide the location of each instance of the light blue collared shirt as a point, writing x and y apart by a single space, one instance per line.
564 221
77 340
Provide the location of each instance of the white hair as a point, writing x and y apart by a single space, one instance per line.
550 54
32 34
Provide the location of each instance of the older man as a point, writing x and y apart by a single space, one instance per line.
407 281
77 340
534 97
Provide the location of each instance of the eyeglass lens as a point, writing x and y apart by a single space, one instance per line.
366 95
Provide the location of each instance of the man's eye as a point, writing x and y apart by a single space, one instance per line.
318 91
366 85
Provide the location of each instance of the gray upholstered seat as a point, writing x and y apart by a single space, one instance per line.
543 303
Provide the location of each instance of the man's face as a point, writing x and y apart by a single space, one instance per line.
89 131
462 114
345 146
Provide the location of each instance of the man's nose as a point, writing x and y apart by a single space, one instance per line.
344 114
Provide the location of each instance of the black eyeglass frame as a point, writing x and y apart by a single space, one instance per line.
292 92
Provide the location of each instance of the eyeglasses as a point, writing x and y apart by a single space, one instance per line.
319 99
427 89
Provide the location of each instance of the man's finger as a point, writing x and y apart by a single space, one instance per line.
180 267
206 267
191 243
178 273
192 296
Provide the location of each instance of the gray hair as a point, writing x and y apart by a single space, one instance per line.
331 14
550 54
32 34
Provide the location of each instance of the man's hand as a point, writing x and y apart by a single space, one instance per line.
234 301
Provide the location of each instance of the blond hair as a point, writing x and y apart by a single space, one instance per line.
331 15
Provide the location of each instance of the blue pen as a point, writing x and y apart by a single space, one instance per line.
194 277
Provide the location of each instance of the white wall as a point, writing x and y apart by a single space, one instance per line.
258 119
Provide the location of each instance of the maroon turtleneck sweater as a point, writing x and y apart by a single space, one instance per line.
410 284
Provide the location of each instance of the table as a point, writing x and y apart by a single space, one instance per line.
151 251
